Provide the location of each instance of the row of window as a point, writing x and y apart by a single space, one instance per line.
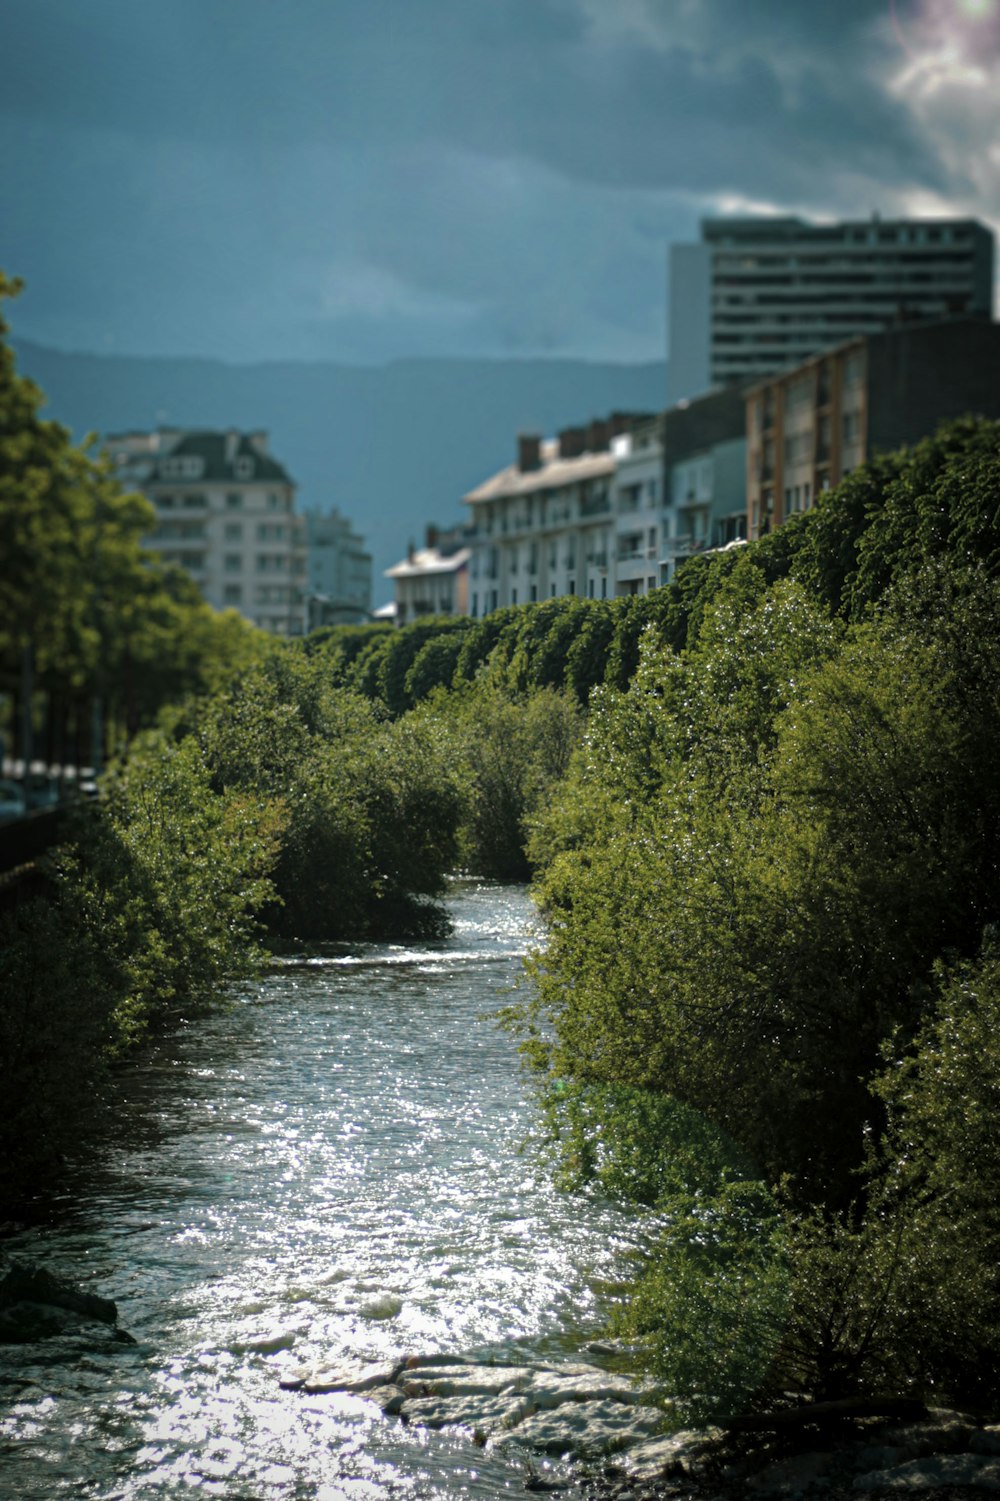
235 500
557 509
266 562
264 594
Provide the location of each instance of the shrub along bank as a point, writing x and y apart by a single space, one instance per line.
767 1011
771 883
772 879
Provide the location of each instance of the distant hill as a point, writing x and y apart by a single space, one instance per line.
393 446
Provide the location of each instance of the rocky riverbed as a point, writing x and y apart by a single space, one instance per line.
580 1426
615 1428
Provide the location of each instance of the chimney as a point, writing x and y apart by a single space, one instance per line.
598 435
232 444
258 438
432 536
529 452
572 442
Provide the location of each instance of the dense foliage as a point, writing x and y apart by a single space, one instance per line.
767 880
762 806
150 907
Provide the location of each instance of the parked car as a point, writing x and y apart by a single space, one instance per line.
12 801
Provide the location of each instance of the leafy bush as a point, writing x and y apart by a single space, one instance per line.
371 807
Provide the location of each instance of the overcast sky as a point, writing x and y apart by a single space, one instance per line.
366 179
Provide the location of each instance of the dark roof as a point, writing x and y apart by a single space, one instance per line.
212 448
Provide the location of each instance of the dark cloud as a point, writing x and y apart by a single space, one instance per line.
364 177
726 92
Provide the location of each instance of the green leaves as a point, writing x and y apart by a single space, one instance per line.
371 807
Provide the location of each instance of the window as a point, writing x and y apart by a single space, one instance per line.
194 502
233 563
233 594
234 531
854 365
184 466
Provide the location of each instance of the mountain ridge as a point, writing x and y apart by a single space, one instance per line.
393 446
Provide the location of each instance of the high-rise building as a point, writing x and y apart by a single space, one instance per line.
757 295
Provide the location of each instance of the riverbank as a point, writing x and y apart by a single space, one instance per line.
941 1456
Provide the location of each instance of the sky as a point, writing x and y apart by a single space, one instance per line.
368 180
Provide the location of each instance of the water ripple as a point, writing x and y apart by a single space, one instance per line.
329 1167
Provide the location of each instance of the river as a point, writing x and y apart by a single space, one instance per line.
329 1166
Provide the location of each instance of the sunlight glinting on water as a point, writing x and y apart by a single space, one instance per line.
329 1168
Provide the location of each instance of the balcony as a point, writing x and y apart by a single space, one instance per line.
682 547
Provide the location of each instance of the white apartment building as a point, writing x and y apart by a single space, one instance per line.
225 513
610 509
637 503
708 507
431 580
546 525
759 294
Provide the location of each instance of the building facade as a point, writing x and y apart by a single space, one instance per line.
338 571
431 580
810 426
704 477
225 513
546 525
637 498
610 509
757 295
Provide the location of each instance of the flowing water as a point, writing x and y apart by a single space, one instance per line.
329 1167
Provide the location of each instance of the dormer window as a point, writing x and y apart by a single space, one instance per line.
243 467
184 466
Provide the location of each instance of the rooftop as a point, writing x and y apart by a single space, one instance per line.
551 474
425 560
